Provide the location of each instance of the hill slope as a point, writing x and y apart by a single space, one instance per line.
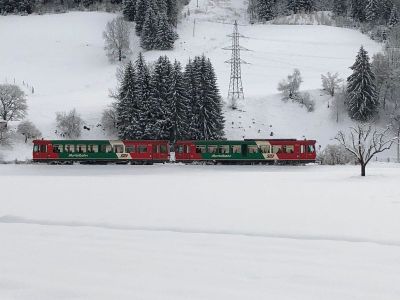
62 57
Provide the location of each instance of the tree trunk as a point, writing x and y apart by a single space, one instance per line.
119 54
363 166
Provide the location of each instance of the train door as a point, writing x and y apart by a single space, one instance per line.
245 150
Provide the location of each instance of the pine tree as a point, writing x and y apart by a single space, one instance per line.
340 7
265 10
180 105
129 10
394 17
372 11
385 10
358 10
362 97
207 110
141 9
126 104
172 12
160 103
143 79
164 36
192 85
149 30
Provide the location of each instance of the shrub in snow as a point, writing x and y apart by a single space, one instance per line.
116 37
12 102
28 130
335 155
69 124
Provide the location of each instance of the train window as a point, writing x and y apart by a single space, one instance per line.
288 149
200 149
212 149
102 148
302 150
43 148
223 149
142 149
69 148
236 149
253 149
92 148
156 149
276 148
119 149
179 149
36 148
81 148
310 149
163 149
57 148
130 149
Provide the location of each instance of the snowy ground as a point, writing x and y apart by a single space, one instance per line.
204 232
62 57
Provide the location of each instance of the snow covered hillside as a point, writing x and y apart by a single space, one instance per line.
199 232
62 57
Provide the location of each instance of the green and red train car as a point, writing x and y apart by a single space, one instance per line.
152 151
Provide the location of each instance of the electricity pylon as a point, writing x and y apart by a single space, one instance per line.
235 85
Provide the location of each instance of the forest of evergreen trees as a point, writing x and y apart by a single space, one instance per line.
383 12
169 103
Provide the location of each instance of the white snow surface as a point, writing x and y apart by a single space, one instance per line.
199 232
62 57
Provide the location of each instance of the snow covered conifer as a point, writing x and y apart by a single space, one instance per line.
149 30
192 81
127 109
180 105
265 10
165 35
358 10
372 11
340 7
160 102
172 12
362 98
141 9
129 10
394 17
143 78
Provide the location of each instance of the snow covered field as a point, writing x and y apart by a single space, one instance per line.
199 232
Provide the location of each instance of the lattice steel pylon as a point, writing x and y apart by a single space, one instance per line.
235 85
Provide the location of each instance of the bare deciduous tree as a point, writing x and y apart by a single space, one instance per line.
116 37
28 130
12 102
109 120
69 124
365 141
331 83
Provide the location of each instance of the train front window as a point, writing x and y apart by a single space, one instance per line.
35 148
310 149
